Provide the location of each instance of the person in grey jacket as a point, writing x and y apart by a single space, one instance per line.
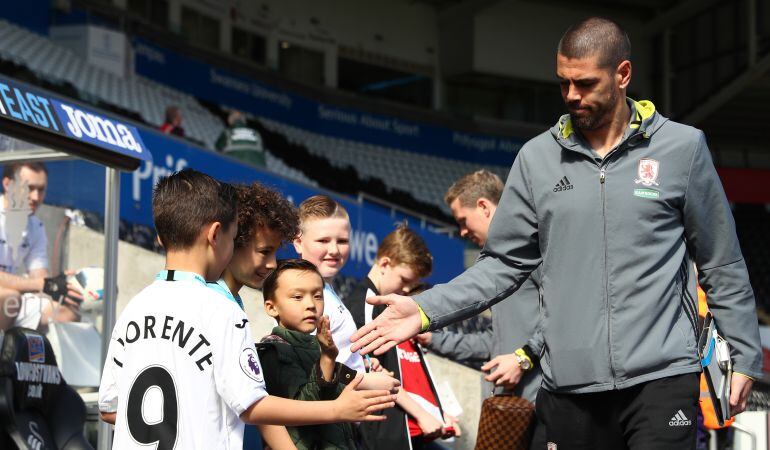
615 202
473 201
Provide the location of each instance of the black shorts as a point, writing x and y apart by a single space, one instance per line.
657 415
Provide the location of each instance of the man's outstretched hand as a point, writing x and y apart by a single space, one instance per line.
399 322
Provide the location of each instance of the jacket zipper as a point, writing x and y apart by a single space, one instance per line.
605 280
603 164
602 179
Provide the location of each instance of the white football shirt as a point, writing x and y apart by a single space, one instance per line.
342 327
181 368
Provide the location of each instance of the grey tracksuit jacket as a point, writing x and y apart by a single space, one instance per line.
617 238
514 322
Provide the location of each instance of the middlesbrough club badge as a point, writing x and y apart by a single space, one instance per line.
648 172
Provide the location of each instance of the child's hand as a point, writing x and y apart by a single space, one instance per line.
355 405
373 365
430 426
379 380
324 336
452 428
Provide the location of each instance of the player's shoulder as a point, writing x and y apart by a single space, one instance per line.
162 295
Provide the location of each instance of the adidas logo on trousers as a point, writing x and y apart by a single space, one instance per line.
679 420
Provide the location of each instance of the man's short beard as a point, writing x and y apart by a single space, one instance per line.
598 118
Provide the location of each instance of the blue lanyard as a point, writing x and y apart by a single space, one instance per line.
178 275
221 287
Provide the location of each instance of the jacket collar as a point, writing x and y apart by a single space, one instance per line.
296 338
370 284
644 122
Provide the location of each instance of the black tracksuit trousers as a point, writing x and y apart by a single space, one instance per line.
656 415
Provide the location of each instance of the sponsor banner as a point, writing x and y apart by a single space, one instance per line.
44 112
80 184
225 88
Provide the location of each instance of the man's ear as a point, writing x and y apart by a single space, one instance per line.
623 74
157 238
6 183
485 205
214 233
271 309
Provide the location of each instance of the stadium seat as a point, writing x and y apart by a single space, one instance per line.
38 410
426 177
139 95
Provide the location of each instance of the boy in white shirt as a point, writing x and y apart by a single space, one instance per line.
182 370
324 240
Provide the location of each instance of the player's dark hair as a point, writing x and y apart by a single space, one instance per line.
259 206
187 201
270 284
596 36
10 170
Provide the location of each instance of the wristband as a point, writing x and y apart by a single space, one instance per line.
424 319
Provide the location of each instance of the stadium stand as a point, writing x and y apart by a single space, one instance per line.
145 101
425 177
139 95
34 58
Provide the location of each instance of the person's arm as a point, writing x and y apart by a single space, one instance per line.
329 351
21 284
430 426
276 437
510 254
351 406
379 380
38 273
537 342
55 287
476 346
240 382
108 387
711 239
505 370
